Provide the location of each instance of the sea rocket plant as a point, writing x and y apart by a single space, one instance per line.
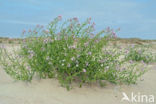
70 51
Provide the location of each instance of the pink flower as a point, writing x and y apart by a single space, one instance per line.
89 53
96 40
46 41
2 46
69 65
89 18
92 35
84 70
31 55
114 34
42 26
108 29
78 56
75 19
87 64
126 51
70 20
73 58
131 61
28 68
46 31
132 46
123 68
93 24
142 62
143 69
59 17
37 25
72 46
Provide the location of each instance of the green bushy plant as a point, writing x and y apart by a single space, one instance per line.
140 53
71 52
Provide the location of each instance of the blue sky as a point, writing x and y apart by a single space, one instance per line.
136 18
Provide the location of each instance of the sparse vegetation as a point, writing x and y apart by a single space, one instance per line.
140 53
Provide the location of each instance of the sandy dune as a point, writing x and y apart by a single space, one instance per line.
49 91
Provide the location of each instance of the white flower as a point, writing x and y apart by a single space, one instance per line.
77 61
62 64
28 68
50 63
48 58
46 41
55 38
107 67
72 46
69 65
77 65
78 56
65 54
84 70
73 58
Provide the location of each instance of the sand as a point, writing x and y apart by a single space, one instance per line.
49 91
